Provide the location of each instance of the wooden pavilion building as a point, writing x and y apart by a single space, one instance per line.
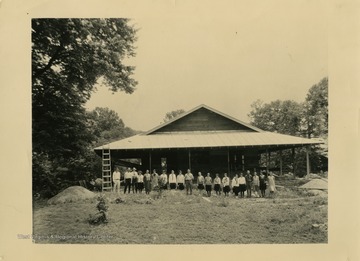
202 139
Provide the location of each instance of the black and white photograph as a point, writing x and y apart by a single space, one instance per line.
180 124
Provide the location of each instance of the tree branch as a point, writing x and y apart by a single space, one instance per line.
56 55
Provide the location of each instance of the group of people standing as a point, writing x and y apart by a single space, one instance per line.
136 181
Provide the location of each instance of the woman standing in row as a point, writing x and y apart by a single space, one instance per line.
262 180
200 182
235 185
242 185
208 184
256 184
217 182
226 185
271 182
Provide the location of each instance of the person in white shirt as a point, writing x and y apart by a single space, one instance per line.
154 179
128 177
235 185
200 182
226 184
217 182
140 181
208 184
188 182
172 180
134 181
116 180
256 183
180 180
163 180
242 185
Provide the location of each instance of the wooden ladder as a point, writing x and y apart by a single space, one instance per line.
106 170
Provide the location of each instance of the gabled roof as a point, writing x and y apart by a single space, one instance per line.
202 106
207 139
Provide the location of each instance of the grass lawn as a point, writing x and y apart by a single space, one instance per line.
176 218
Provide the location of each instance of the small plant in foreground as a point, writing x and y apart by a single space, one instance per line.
100 217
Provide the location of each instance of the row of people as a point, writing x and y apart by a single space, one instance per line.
137 182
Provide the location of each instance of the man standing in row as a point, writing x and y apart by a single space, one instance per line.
188 182
128 177
116 180
134 180
249 180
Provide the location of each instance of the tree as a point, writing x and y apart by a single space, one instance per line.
107 126
69 56
172 114
277 116
316 110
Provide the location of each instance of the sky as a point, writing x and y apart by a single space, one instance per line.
223 55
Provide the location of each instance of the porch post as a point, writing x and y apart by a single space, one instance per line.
150 170
281 163
189 159
228 160
307 160
267 161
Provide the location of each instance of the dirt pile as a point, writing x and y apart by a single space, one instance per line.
316 184
72 194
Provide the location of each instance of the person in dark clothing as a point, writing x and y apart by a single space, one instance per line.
262 179
249 180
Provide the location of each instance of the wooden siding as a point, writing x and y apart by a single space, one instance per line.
203 120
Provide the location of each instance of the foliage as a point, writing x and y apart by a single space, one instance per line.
172 114
316 110
100 217
308 119
277 116
106 126
69 56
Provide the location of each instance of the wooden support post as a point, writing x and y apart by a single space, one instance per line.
307 160
267 161
243 162
281 163
150 170
189 159
228 161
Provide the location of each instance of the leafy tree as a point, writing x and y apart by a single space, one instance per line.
277 116
69 56
172 114
316 110
107 126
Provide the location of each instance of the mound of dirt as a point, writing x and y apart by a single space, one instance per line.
71 194
316 184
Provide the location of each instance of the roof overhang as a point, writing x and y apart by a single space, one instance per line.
211 139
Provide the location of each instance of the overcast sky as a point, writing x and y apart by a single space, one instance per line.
224 56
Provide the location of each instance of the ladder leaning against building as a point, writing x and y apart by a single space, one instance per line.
106 169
